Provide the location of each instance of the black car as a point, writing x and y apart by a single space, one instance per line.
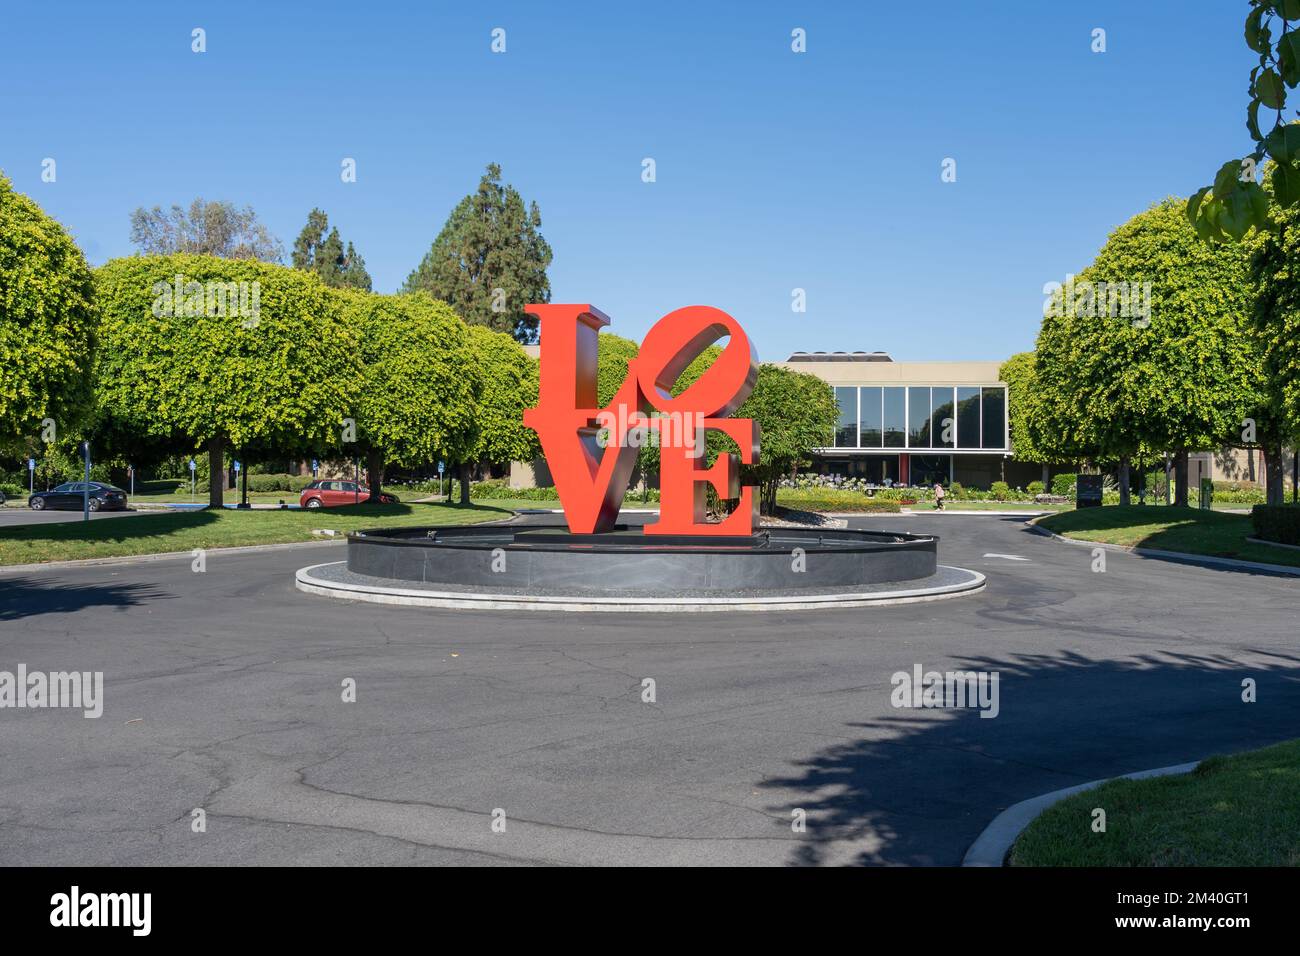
71 494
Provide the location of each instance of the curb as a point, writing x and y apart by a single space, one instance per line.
1178 557
990 512
161 556
1274 544
308 582
994 843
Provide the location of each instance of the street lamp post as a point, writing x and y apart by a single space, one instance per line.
85 492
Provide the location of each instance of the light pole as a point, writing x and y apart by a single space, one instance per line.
85 493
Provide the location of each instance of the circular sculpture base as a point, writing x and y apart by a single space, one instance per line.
503 567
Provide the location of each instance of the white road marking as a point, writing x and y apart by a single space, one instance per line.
1009 557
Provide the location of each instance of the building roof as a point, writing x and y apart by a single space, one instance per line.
840 357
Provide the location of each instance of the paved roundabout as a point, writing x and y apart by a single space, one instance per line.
619 738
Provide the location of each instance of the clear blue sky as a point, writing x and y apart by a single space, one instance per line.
775 170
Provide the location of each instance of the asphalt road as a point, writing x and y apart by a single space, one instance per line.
223 691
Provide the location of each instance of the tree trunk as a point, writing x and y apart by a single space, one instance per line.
1125 498
1047 480
1273 473
216 472
374 473
1180 477
462 472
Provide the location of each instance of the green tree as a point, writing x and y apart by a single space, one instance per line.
509 385
1235 204
417 396
278 369
1275 320
205 229
489 261
315 251
47 325
1032 437
1120 372
796 412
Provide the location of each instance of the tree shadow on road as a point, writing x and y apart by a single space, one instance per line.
918 787
25 597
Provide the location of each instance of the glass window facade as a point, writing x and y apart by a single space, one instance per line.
943 426
918 417
870 432
921 416
928 469
846 430
895 404
995 417
968 417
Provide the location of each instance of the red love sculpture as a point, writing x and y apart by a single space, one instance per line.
592 480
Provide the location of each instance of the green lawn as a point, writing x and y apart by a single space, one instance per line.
951 505
185 531
1187 530
1231 811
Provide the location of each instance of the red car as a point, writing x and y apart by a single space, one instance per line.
330 493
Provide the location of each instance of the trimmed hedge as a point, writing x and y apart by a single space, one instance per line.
1280 523
863 505
293 483
496 488
1064 484
831 499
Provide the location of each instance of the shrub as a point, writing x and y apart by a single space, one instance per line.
498 488
833 499
1000 490
12 490
1064 484
956 490
1034 488
277 482
1280 523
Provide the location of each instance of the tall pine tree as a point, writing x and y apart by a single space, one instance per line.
314 251
490 260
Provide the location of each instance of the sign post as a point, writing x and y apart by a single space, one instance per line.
193 465
130 473
441 466
1087 491
31 476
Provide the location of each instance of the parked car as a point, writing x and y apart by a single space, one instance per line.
71 495
330 493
